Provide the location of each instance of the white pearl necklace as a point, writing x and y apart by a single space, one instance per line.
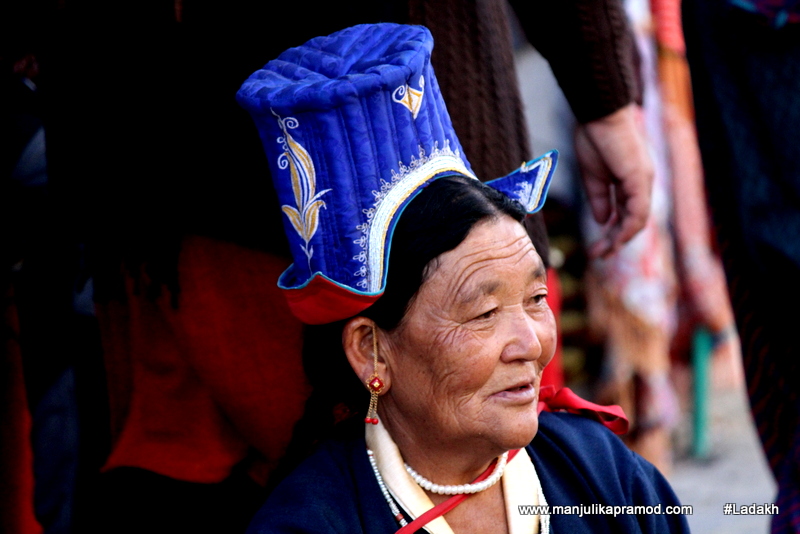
477 487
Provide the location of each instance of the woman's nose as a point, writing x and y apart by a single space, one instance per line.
522 338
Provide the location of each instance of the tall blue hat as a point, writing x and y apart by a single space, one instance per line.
354 126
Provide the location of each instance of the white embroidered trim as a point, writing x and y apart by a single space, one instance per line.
530 193
391 195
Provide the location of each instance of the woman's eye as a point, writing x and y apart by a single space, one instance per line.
539 298
487 315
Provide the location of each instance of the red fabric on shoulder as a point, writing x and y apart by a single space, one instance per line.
564 399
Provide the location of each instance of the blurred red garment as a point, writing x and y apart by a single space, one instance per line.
192 388
16 455
553 374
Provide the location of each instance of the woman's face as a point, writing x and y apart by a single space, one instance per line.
467 358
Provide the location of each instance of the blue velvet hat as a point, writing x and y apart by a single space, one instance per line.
354 126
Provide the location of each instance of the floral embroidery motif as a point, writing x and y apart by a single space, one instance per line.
305 217
410 98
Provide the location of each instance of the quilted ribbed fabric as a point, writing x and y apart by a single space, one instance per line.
354 126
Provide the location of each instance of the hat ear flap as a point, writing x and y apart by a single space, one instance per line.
529 184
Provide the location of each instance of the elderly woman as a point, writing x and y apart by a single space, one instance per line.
439 300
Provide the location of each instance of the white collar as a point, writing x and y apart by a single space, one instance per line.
520 485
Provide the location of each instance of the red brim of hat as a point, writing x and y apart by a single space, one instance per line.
321 301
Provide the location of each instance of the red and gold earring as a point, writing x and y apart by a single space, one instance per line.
374 384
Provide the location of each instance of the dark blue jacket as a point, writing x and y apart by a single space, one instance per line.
579 462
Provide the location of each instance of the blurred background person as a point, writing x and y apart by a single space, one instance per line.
745 70
635 295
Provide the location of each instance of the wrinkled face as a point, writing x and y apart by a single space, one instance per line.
467 358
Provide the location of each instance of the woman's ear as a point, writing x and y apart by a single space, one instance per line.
357 340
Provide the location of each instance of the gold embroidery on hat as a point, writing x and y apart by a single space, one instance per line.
305 217
410 98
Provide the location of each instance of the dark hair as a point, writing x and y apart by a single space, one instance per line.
434 222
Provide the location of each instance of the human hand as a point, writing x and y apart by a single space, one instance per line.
617 174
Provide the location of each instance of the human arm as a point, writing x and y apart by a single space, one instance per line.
589 46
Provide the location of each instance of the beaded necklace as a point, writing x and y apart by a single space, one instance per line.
477 487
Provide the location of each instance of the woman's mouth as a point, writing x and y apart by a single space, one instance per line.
518 394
